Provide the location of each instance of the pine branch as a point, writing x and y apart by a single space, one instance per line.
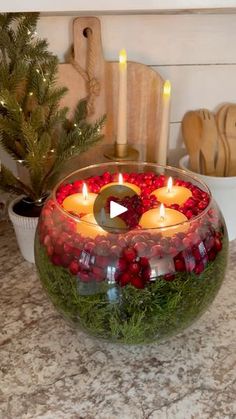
32 124
9 182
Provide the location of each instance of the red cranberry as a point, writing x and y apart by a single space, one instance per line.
56 260
122 264
144 262
169 277
74 267
179 265
190 203
175 207
197 254
89 246
218 244
130 253
199 268
76 252
124 279
134 268
211 255
202 205
189 214
68 248
65 260
46 213
78 185
102 261
58 248
146 274
84 277
137 282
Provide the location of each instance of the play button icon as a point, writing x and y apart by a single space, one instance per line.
116 209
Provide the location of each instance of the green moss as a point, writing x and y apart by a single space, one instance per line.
130 315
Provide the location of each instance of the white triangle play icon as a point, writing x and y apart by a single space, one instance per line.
116 209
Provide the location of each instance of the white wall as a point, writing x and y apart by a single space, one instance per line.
196 52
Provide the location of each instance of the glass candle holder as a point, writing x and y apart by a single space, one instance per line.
146 282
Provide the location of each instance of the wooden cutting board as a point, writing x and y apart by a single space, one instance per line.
144 93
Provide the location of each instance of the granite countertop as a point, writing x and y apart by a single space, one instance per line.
48 370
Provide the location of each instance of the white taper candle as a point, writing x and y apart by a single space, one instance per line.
122 99
164 135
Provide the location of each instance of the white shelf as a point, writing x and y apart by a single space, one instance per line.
116 6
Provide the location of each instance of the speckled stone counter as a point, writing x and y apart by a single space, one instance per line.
48 370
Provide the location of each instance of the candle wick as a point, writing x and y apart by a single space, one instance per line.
162 218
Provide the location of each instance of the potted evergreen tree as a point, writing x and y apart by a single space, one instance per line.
34 130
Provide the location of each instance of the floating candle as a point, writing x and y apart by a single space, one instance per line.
90 227
80 203
121 182
164 217
170 194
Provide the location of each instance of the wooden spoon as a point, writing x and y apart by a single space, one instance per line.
208 144
230 133
191 129
220 119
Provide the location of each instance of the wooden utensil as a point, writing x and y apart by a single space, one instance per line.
230 133
191 129
208 143
220 164
220 120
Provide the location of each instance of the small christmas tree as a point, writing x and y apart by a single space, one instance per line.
34 130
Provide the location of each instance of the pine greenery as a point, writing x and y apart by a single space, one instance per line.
132 315
34 130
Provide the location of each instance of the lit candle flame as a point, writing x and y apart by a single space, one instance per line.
162 212
123 56
120 179
169 185
85 191
167 88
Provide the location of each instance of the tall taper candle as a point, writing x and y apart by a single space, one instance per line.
122 99
164 135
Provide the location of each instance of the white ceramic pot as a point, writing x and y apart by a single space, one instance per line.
25 228
223 190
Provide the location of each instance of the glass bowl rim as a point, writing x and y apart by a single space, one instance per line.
134 163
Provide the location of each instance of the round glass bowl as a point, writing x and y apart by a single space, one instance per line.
140 285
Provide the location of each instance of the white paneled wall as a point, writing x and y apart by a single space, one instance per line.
196 52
